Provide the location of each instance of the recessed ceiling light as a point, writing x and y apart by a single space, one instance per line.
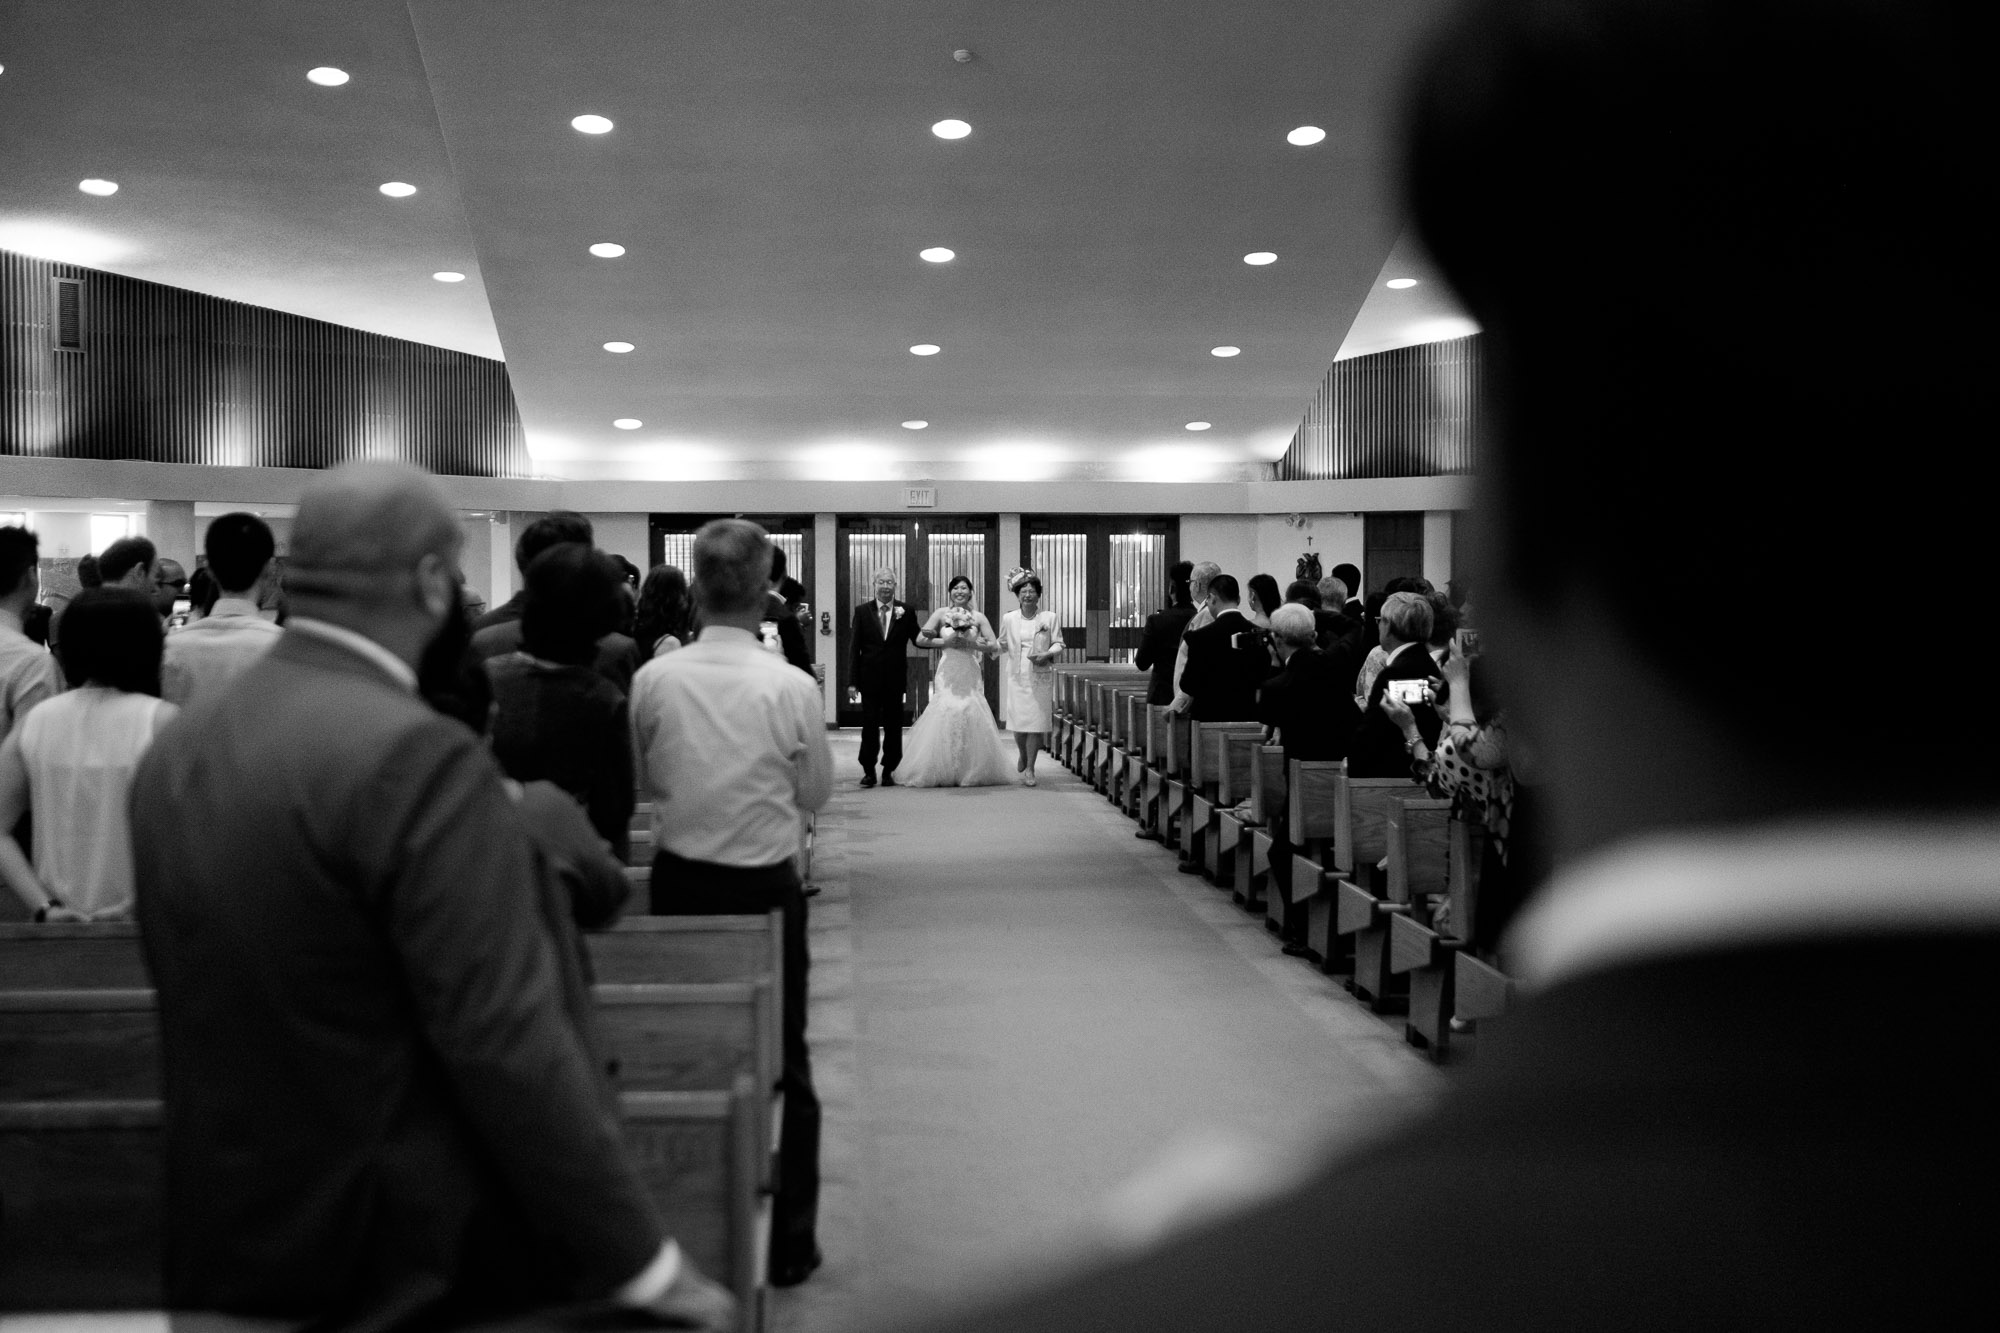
448 276
326 76
925 349
937 254
618 347
398 189
951 129
1260 258
1399 284
591 124
1197 425
1305 136
1224 351
915 425
607 250
96 186
628 423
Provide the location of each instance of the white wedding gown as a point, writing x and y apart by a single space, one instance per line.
956 743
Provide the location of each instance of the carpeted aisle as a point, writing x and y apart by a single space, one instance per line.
1030 1032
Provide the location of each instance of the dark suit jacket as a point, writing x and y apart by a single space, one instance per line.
1310 705
1158 648
881 664
1227 661
1356 610
1628 1152
1377 751
377 1106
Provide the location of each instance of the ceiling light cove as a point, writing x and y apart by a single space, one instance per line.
591 125
96 186
628 423
937 254
1259 258
1398 284
60 241
620 348
951 129
1199 425
398 189
449 276
1225 351
607 250
326 76
1305 136
925 349
915 425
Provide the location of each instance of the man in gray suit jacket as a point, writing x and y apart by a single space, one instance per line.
377 1109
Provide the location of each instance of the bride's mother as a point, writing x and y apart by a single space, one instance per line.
1030 642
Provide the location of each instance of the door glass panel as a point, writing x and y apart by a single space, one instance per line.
1061 560
1138 586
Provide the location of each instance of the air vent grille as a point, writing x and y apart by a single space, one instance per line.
69 314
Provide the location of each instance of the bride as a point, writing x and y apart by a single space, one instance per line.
956 743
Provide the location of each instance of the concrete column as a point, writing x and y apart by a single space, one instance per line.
827 650
170 526
1010 548
1437 547
500 540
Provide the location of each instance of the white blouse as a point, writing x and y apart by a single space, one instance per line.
80 750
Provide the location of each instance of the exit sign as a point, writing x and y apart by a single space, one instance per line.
920 497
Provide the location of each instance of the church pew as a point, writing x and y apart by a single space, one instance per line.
1207 755
1133 792
72 955
1152 813
1174 778
1229 852
1418 836
83 1045
1480 991
1360 913
83 1190
1309 829
1270 847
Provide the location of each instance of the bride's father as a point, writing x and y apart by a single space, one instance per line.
883 631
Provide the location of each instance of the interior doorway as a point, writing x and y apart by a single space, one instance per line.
670 541
925 554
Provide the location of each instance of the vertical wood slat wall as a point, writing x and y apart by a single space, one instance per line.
1409 412
173 376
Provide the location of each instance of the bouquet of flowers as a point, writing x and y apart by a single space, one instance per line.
958 623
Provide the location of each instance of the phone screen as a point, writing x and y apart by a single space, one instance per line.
1411 691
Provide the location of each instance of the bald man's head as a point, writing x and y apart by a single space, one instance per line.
363 531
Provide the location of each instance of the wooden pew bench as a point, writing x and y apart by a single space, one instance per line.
82 1185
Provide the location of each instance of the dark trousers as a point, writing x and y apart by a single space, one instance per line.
881 726
701 888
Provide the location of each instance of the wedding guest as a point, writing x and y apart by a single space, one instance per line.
29 673
378 1111
1303 703
1378 750
70 761
203 592
666 613
1160 646
1640 1150
1355 608
555 718
1263 599
782 614
1227 659
1198 581
1340 630
498 632
733 754
204 655
128 562
169 585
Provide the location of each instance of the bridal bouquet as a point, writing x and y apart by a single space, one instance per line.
958 622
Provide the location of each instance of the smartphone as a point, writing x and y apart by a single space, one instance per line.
1466 643
1411 691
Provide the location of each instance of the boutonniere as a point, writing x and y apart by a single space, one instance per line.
899 608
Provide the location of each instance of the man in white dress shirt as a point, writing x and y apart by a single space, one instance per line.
201 658
28 672
733 754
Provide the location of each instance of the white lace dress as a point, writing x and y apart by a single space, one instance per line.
955 742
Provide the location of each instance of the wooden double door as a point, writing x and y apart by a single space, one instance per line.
924 554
